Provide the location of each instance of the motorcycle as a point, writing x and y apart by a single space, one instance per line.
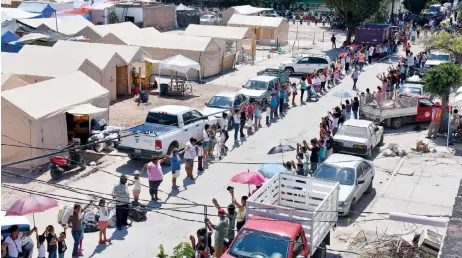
60 164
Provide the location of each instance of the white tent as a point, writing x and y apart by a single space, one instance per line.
35 114
243 10
268 30
15 13
179 64
182 7
11 81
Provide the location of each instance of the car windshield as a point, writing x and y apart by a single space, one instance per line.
439 57
345 176
256 85
410 90
253 243
220 102
161 118
353 131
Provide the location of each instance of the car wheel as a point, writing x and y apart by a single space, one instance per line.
396 123
369 188
290 70
381 141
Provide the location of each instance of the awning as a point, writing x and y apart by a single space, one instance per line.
179 64
86 109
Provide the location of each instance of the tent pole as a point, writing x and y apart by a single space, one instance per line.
56 21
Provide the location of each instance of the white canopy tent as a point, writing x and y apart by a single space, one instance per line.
180 64
182 7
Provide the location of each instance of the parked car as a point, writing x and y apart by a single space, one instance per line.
305 64
224 102
210 19
437 58
358 137
165 128
354 174
260 88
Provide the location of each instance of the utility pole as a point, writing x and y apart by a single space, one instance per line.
392 11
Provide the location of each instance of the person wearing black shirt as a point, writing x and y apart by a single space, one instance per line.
329 142
52 240
62 247
314 157
242 125
355 108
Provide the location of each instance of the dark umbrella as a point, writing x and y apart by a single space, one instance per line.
281 149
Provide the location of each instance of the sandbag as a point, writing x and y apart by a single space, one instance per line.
137 212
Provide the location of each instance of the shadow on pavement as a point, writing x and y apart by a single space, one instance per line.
357 209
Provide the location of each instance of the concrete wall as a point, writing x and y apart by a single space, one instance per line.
160 17
135 11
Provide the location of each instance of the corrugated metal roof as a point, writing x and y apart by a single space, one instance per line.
221 32
255 21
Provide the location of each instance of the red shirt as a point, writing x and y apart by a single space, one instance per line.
250 109
308 79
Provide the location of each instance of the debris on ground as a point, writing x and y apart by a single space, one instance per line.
422 147
392 150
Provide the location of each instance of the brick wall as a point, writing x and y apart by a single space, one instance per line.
160 17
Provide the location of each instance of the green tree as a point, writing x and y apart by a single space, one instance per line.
383 13
354 12
414 6
180 251
441 79
446 42
459 14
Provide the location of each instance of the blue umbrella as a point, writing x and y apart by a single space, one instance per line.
269 170
342 94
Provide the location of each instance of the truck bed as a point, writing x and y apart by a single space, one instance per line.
282 75
307 201
150 129
379 115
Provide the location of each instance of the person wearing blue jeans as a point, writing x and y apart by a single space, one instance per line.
236 129
355 107
76 235
75 220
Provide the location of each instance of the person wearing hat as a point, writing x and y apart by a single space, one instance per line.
121 197
436 121
231 215
221 232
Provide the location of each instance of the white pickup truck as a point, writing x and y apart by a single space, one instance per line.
299 210
165 128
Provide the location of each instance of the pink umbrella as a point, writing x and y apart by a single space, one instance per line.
249 178
30 205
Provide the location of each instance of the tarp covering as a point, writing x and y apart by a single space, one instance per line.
179 64
248 9
86 109
26 118
16 13
44 9
7 38
128 32
256 21
222 32
84 12
30 38
182 7
101 6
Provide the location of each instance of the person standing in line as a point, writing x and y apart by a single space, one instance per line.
103 224
329 142
361 59
436 120
250 110
355 76
237 123
274 107
347 63
221 230
224 127
282 96
370 54
336 117
355 107
314 157
155 176
136 185
453 125
190 154
293 90
243 118
175 165
75 221
42 252
62 247
52 240
347 109
121 197
206 142
200 156
322 79
332 39
231 215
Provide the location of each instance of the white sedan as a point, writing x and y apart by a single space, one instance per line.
354 174
358 137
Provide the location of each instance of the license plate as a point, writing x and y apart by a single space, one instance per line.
137 151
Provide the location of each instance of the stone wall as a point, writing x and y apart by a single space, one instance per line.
160 17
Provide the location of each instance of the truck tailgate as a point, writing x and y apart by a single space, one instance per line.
310 202
143 137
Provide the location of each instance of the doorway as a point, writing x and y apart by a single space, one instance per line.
122 80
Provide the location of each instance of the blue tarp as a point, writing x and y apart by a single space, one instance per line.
8 37
44 9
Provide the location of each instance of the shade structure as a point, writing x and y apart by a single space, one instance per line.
179 64
249 178
342 94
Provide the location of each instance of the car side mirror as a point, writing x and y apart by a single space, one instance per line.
360 182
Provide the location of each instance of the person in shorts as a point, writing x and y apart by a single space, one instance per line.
175 164
190 154
136 185
103 212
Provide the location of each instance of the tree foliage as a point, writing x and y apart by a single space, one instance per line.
180 251
447 42
354 12
382 14
414 6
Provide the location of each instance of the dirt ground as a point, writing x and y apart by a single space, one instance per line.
125 112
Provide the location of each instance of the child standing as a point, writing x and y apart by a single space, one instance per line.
62 247
103 212
81 237
268 114
293 89
249 125
200 156
136 185
42 252
175 163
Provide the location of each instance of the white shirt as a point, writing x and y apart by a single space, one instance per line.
136 184
322 78
200 151
237 119
371 51
348 59
410 61
14 247
335 122
268 111
103 213
42 252
342 61
224 124
190 152
205 135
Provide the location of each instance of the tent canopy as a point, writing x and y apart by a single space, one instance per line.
222 32
16 13
255 21
248 9
86 109
44 9
182 7
179 64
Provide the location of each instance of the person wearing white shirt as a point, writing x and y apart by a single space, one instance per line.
410 64
224 126
14 240
322 79
189 156
237 123
370 54
268 114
